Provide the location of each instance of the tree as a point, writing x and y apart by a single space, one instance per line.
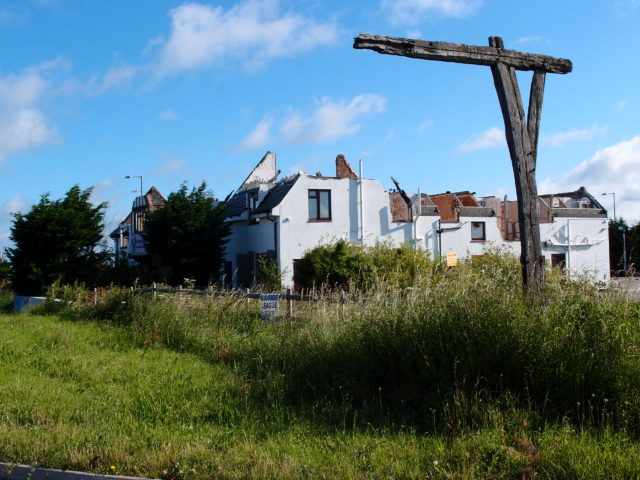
632 240
186 237
615 244
56 240
634 248
5 271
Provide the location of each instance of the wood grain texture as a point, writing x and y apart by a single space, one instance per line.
536 95
521 151
461 53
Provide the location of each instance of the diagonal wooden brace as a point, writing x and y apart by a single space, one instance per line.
522 138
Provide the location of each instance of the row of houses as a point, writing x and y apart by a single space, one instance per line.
283 217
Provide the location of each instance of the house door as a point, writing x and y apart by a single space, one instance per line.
559 260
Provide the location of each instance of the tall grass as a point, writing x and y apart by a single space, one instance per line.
6 300
425 356
459 376
467 337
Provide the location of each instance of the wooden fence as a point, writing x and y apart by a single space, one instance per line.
288 296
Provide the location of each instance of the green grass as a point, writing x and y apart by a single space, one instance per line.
82 395
461 377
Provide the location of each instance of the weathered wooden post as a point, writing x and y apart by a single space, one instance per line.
521 133
289 303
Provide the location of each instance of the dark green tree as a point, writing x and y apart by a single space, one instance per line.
634 248
57 239
5 271
632 237
186 238
615 245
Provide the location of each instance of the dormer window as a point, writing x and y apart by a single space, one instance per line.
252 199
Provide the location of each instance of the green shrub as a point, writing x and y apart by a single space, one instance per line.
343 264
269 278
6 300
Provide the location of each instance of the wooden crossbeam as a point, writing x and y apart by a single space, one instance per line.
461 53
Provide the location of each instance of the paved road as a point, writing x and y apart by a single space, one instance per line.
10 471
631 285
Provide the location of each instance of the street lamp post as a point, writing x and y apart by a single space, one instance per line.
614 202
624 248
136 176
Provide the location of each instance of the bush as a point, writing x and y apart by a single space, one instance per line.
6 300
343 264
269 278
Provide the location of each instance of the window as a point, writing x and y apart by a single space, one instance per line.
139 220
252 198
319 205
478 231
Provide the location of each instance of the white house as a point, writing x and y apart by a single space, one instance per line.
283 218
127 236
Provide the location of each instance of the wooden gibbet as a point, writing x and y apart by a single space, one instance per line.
521 133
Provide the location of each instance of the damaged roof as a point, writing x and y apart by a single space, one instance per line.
238 203
277 194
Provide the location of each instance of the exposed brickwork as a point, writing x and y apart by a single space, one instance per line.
400 211
467 199
447 206
343 169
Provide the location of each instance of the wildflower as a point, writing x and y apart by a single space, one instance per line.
112 468
435 462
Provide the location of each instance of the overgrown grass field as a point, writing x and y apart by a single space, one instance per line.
460 376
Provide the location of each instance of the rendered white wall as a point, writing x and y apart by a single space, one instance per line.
588 253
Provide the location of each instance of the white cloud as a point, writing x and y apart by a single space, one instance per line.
100 83
425 125
168 115
612 169
21 90
574 135
116 77
368 152
332 119
22 125
104 191
410 12
491 138
252 31
626 6
260 136
15 204
621 105
528 39
173 163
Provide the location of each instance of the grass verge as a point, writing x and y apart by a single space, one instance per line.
458 377
85 396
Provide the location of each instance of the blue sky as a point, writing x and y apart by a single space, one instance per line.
92 91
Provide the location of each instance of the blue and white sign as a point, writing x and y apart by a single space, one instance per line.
138 245
269 305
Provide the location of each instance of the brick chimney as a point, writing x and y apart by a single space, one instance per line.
343 169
